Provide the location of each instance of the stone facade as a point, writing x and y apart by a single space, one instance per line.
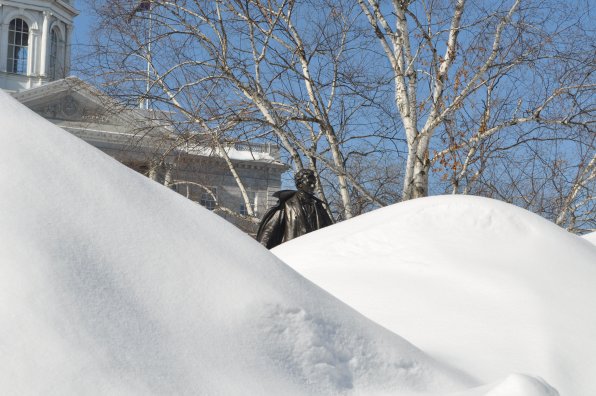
143 142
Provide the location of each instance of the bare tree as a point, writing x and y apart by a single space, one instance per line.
377 97
287 68
446 56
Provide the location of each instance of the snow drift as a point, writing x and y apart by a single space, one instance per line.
113 284
590 237
489 287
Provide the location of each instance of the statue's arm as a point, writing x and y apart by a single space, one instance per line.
271 229
326 220
323 213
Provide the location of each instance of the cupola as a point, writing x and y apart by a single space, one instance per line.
35 42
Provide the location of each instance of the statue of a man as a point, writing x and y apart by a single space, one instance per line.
297 212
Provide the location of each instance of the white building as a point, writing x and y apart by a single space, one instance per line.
35 47
35 40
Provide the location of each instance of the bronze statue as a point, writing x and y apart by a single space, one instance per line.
297 212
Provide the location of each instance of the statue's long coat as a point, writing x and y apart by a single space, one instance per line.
287 220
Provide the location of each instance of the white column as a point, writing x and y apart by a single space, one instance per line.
3 40
67 49
33 50
3 46
43 62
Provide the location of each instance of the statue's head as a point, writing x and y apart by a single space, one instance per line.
305 180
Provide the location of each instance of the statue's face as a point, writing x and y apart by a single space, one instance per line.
307 183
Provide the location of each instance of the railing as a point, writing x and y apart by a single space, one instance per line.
253 147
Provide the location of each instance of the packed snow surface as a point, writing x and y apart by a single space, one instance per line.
112 284
590 237
486 286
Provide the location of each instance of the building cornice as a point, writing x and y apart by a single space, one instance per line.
61 7
41 5
74 12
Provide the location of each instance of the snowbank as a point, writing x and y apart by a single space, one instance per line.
490 288
112 284
514 384
590 237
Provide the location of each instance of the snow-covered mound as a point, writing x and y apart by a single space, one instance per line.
112 284
486 286
514 384
590 237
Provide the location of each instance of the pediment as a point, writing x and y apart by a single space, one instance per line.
73 100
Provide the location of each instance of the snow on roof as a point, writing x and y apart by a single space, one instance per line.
237 152
113 284
486 286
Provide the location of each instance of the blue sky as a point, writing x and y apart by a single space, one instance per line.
82 24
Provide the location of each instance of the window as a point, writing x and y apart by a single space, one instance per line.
53 68
209 198
252 197
18 44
